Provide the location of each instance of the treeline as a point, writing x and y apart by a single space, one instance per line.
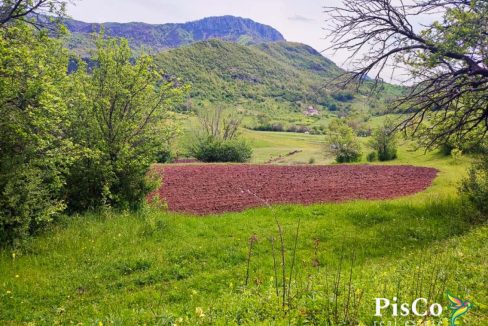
280 127
80 141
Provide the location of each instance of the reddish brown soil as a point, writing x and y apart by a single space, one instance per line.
207 189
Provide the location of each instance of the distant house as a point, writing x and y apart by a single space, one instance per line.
312 112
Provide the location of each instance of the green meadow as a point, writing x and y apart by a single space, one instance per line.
160 268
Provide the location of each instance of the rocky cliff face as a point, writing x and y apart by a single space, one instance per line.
166 36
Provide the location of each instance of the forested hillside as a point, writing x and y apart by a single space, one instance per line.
281 77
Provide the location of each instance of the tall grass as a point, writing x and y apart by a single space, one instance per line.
157 267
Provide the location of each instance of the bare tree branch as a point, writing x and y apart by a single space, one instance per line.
448 67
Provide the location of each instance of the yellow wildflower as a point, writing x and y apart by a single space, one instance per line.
199 312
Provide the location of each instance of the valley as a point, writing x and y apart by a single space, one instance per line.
213 173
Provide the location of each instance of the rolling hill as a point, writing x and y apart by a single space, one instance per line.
272 82
240 64
288 73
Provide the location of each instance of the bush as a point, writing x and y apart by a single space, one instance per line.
119 128
384 142
276 127
387 154
165 155
373 156
348 155
343 143
474 188
34 155
466 145
211 149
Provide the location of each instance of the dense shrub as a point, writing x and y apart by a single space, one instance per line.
343 143
343 97
217 139
348 155
165 155
373 156
120 128
318 130
211 149
298 129
279 127
466 145
33 120
276 127
384 142
474 188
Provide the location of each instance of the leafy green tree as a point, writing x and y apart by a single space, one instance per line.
13 11
120 117
447 60
33 121
384 141
217 138
343 143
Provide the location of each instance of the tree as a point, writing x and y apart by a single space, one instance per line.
217 124
343 143
384 141
217 138
34 154
120 117
474 188
22 10
448 60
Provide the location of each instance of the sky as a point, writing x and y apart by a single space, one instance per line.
299 21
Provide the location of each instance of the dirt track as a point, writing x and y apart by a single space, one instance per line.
207 189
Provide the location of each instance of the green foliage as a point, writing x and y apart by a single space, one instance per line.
474 188
190 273
120 119
212 149
217 139
373 156
264 78
456 109
384 141
467 144
343 143
165 155
33 120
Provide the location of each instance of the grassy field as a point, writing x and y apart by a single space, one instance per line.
157 267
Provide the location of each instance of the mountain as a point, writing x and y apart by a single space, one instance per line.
280 80
220 71
160 37
240 64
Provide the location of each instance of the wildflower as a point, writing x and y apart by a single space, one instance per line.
199 312
13 255
17 276
9 292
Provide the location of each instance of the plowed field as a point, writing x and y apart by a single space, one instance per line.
208 189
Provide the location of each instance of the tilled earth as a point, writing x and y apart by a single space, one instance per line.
209 189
